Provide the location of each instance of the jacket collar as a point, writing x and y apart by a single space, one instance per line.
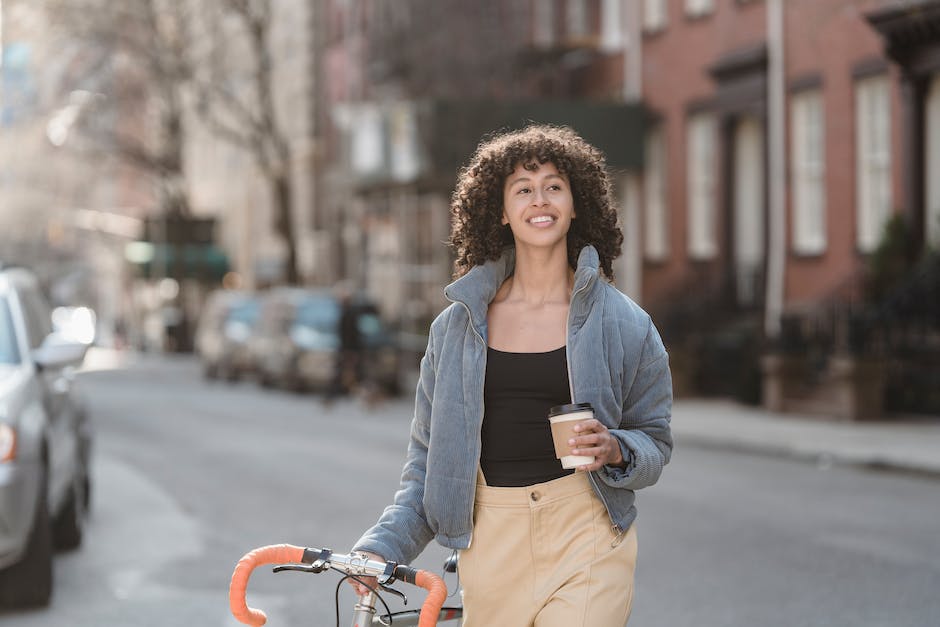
479 285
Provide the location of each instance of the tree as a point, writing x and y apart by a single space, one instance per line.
234 87
134 56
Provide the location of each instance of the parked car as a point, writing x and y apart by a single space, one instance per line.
297 339
222 333
45 442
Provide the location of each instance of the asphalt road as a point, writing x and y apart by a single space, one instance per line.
190 475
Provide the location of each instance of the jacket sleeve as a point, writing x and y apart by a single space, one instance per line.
402 531
644 433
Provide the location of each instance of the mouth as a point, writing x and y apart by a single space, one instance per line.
542 220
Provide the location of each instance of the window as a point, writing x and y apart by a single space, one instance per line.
748 194
695 8
872 159
576 19
543 22
932 164
9 350
808 167
700 187
611 25
36 315
656 216
654 15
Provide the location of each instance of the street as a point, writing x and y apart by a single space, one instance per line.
190 475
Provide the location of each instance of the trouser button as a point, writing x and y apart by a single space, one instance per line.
534 496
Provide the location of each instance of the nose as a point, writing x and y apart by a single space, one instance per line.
538 198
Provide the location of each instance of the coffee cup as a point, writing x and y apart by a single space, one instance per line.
563 418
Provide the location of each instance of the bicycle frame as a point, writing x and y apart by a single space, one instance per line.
365 614
288 557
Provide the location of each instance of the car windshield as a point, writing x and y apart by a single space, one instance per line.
321 314
245 312
9 353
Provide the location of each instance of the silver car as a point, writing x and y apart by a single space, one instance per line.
226 323
45 441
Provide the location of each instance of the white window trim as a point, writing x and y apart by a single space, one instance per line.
543 23
577 19
611 25
655 15
872 159
701 160
808 167
698 8
655 200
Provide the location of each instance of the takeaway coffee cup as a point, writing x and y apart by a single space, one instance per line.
563 418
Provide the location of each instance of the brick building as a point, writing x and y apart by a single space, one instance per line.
856 111
410 88
758 146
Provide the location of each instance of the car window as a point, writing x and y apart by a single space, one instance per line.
246 312
9 351
38 319
321 314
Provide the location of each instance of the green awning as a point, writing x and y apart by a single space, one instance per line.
204 262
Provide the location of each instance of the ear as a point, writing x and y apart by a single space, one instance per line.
504 220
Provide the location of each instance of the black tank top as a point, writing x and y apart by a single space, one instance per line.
519 390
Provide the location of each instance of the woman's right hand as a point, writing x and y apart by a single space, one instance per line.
372 581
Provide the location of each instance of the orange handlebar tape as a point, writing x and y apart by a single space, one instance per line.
274 554
437 593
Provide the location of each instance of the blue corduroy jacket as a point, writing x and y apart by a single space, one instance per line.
616 362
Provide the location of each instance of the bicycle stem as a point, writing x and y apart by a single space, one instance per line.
364 610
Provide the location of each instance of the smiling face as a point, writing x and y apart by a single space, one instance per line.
538 205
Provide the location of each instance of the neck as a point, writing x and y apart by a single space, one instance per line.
541 276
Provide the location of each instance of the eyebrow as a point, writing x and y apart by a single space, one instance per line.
522 179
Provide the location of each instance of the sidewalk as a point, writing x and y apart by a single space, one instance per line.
905 444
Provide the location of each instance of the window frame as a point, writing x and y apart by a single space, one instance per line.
701 185
873 159
655 196
695 9
658 20
808 172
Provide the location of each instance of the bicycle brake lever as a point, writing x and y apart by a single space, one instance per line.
397 593
303 568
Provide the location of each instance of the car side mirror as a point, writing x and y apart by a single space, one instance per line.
56 352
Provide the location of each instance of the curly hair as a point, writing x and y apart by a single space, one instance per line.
476 206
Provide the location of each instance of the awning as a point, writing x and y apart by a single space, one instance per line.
203 262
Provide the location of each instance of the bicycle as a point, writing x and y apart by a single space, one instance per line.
287 557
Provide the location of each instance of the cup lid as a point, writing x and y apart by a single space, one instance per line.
558 410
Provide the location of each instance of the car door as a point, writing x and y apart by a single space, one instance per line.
55 386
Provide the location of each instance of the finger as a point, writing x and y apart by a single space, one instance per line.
591 439
587 426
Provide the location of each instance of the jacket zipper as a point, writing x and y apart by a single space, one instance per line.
614 526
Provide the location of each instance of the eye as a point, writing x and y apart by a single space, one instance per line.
523 190
555 187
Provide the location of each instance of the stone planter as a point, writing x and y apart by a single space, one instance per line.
858 387
781 379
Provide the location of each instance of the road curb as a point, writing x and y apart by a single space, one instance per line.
820 457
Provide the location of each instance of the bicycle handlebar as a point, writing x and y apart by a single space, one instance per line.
323 559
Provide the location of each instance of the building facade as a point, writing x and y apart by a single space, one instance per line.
843 94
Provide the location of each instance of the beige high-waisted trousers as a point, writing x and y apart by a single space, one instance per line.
546 556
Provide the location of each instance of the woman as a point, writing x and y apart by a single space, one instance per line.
533 324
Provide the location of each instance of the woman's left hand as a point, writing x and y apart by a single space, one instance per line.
596 440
